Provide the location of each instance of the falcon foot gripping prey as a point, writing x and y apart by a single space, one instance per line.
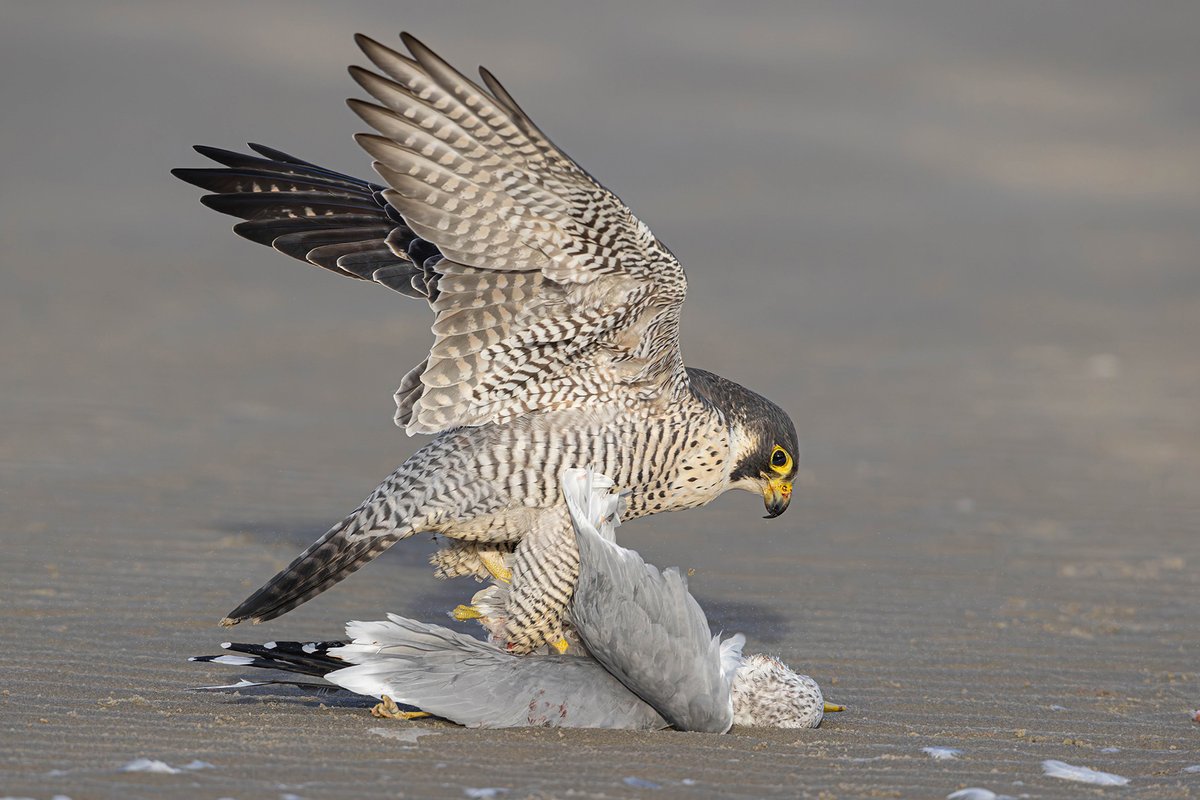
556 322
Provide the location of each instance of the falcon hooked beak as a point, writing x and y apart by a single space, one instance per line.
777 493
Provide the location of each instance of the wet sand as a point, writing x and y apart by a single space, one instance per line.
959 247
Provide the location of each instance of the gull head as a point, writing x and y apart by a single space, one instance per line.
769 694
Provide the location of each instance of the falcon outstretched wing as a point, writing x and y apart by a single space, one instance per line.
548 292
552 293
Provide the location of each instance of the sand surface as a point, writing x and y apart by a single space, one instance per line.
959 245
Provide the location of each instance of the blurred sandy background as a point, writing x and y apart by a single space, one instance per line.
959 242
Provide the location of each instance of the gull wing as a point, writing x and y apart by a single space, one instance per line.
646 629
473 683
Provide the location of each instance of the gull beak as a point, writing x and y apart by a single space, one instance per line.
776 496
832 707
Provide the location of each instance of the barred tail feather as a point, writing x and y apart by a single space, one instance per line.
344 549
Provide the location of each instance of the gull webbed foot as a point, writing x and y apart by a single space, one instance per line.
387 709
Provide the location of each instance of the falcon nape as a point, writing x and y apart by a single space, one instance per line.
555 338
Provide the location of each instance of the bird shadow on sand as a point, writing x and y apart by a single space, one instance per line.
315 697
760 623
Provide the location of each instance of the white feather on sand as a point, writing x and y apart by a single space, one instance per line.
1070 772
976 793
942 753
150 765
162 767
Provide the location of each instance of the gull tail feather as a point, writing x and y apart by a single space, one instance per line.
301 658
310 659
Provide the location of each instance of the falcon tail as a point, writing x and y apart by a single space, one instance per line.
345 548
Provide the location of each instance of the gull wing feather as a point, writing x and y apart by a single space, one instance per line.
473 683
646 629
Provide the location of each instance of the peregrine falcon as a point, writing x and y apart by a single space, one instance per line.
556 322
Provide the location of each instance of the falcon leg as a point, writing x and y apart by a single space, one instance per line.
494 563
479 560
387 709
487 606
545 568
463 613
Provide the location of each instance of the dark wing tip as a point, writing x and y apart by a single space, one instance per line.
217 154
363 136
216 202
191 175
278 155
486 75
362 75
413 43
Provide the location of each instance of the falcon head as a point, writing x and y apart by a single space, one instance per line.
763 444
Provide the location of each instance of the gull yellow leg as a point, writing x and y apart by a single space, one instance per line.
387 709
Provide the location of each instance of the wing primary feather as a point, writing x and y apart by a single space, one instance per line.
472 184
279 155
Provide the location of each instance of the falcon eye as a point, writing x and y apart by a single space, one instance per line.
780 460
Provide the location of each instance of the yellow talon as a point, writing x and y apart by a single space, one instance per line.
831 707
387 709
561 646
494 562
463 613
